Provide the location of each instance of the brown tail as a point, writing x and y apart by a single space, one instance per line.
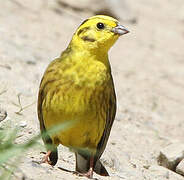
82 165
53 157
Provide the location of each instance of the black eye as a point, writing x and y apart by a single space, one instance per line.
100 26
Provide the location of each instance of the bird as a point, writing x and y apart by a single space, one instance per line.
78 87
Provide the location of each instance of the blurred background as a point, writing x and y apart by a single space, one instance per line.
147 66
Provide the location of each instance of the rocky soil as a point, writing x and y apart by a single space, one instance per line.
148 69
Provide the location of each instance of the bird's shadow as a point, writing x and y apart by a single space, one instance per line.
66 170
73 172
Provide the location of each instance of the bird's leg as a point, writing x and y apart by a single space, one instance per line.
46 158
89 174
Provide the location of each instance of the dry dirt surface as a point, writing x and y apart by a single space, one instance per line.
148 69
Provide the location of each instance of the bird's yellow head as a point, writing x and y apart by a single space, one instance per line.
98 33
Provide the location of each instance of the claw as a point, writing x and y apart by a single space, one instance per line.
46 158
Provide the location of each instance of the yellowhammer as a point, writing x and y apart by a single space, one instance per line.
78 87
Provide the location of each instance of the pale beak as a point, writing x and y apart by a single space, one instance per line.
120 30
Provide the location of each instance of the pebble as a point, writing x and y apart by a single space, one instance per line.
171 155
162 173
180 168
3 114
23 124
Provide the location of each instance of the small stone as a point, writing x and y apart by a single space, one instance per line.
23 124
171 155
162 173
35 164
180 168
3 114
31 62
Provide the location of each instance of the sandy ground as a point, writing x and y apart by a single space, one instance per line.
147 66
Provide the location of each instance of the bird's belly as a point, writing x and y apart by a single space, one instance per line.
85 110
85 133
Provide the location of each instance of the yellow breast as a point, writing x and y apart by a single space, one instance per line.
78 94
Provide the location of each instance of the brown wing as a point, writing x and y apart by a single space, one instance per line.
46 138
109 121
46 79
39 111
